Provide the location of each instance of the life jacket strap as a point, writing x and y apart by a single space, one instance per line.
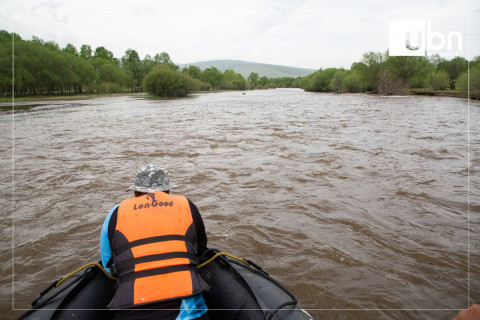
154 272
155 257
139 242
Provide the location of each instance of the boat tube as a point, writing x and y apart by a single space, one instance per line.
239 289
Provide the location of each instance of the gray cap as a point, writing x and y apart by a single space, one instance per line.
152 178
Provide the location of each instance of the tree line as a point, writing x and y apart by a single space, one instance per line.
43 68
384 74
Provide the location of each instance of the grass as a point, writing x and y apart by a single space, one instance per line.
439 93
22 107
54 98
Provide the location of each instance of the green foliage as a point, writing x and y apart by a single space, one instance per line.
164 82
6 38
454 68
361 71
52 45
193 71
195 84
475 62
353 82
438 80
86 52
70 48
253 79
101 52
373 61
320 80
418 81
164 58
404 68
109 76
193 76
135 69
336 82
389 82
212 76
232 81
346 81
474 77
41 67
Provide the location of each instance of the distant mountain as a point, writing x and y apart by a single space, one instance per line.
245 68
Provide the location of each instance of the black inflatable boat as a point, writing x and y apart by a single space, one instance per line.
239 289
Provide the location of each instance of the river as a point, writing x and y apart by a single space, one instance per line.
364 206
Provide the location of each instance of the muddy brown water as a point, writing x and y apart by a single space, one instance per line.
364 206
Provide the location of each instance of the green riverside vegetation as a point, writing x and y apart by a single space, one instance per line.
43 68
383 74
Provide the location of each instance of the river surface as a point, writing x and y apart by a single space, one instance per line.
364 206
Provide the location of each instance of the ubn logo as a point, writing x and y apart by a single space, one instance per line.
415 38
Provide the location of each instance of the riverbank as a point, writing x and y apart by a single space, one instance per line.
24 104
439 93
85 96
66 97
6 101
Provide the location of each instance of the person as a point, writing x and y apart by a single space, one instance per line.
473 313
151 243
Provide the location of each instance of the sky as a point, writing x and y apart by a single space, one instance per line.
300 33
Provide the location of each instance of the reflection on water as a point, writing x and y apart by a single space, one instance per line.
353 202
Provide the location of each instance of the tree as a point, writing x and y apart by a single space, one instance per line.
37 40
193 71
213 76
471 77
101 52
165 82
388 82
52 45
263 82
86 52
319 81
6 37
336 81
404 68
475 62
352 82
439 80
361 70
233 81
373 61
147 64
164 58
436 59
133 65
454 68
70 48
252 79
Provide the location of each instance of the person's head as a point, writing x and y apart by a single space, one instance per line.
151 178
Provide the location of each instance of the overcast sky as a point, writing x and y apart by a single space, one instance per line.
301 33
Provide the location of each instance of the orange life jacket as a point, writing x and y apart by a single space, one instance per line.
154 249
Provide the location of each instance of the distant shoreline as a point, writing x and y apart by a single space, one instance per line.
65 97
8 100
439 93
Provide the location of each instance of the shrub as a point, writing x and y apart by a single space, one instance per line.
352 82
336 82
439 80
462 82
165 82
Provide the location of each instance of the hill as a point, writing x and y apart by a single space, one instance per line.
245 68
